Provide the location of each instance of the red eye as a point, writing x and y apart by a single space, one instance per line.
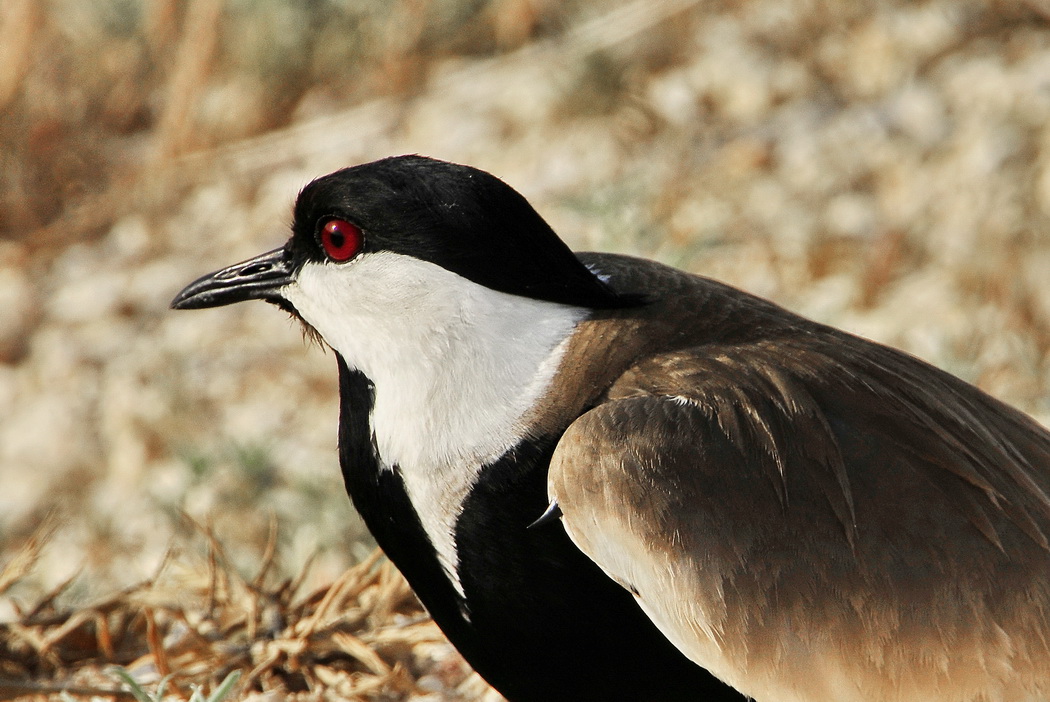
341 240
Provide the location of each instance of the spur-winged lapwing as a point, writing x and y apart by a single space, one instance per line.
735 501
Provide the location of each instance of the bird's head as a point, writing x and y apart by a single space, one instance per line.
441 285
393 233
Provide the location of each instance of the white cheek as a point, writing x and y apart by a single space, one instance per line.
456 367
369 295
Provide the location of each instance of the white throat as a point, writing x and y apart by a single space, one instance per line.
456 368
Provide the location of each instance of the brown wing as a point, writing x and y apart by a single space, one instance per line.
814 528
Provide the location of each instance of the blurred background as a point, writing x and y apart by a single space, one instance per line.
881 166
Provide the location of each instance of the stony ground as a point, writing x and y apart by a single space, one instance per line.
881 166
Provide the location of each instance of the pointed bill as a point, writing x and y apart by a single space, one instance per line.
259 278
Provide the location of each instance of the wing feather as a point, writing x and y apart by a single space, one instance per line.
811 525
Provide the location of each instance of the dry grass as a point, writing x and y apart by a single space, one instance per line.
363 636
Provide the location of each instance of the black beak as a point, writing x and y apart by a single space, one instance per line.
259 278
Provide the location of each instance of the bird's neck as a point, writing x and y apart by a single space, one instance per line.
455 385
441 415
455 365
458 390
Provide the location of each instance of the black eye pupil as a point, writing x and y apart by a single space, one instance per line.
338 240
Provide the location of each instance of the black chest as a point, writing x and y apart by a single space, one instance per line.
539 621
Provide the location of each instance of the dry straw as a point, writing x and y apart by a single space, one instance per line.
363 636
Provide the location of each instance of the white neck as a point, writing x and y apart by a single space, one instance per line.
456 368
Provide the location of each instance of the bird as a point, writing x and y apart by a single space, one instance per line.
609 479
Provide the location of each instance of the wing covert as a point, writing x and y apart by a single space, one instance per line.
801 543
